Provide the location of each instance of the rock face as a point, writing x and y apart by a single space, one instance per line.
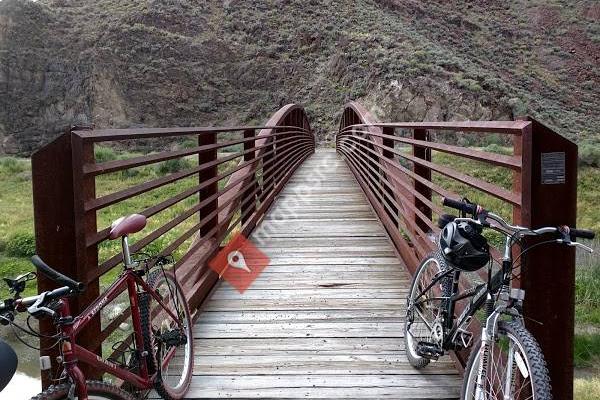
124 63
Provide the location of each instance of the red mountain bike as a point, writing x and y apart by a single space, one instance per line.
162 353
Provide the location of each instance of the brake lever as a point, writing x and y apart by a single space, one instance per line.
36 311
575 244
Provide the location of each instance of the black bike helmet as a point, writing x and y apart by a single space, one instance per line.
463 246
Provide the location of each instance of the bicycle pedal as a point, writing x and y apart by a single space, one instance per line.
429 350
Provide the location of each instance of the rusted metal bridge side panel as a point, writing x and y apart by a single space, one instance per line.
232 192
548 273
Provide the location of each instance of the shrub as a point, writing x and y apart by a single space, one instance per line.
21 245
589 154
496 148
104 154
12 165
174 165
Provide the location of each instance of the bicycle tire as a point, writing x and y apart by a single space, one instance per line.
154 360
414 359
97 390
534 359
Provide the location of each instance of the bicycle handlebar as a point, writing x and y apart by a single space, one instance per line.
461 205
56 276
523 231
581 233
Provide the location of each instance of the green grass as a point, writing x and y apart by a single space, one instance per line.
16 210
587 389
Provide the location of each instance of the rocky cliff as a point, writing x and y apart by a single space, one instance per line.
122 63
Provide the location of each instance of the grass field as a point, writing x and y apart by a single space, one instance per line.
17 241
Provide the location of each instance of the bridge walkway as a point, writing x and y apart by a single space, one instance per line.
325 318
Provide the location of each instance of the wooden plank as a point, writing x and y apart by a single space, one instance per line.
325 318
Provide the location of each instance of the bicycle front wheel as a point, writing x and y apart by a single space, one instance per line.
168 336
96 391
423 327
516 368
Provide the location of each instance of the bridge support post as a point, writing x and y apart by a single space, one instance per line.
388 155
549 198
205 157
59 194
248 203
424 154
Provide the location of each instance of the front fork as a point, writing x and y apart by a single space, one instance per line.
489 334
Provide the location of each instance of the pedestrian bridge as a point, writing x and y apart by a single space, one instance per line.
343 228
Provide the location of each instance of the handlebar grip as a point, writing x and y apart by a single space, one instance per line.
57 276
581 233
460 205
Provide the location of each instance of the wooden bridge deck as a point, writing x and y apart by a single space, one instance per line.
325 318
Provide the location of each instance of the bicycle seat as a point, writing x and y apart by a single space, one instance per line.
127 225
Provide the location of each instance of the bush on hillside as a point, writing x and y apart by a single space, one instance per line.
12 165
21 245
589 154
174 165
104 154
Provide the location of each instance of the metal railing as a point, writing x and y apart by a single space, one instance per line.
402 170
228 180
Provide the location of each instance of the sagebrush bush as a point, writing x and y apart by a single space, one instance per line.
104 154
589 154
21 245
174 165
11 165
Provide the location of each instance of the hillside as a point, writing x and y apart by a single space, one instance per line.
120 63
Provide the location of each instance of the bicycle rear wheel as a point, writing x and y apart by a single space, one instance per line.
96 391
423 327
516 368
169 341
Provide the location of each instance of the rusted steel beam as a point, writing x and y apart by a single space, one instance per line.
500 160
503 127
249 207
423 153
112 135
549 198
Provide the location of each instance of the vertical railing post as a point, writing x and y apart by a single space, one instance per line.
59 194
204 157
84 189
549 198
388 145
268 173
423 153
248 203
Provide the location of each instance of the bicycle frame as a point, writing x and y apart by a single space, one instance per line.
73 353
479 294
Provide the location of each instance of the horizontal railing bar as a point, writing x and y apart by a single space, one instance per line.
289 169
401 244
118 165
103 234
115 260
501 160
124 194
408 229
297 157
494 251
406 201
508 127
436 188
111 135
477 183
